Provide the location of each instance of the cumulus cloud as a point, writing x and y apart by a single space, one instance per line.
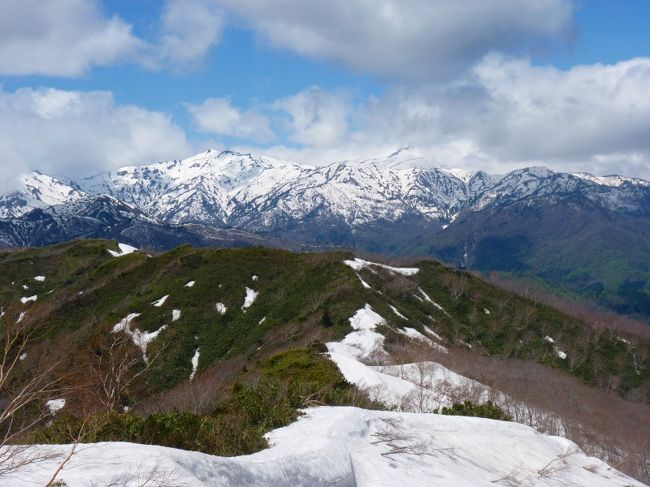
190 28
61 37
80 133
218 116
315 117
407 39
506 114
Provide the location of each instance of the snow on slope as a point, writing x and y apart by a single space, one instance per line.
38 191
249 299
140 339
124 250
257 193
358 264
351 447
421 387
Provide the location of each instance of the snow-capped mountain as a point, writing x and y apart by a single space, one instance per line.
38 191
230 189
551 225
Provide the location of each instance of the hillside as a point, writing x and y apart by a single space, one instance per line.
556 228
208 331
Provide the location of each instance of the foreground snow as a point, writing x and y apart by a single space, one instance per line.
340 446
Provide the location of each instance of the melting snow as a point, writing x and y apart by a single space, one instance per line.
176 314
394 309
124 250
363 342
27 300
140 339
345 446
426 296
433 333
358 264
250 298
364 283
39 278
55 405
190 284
221 308
160 302
195 363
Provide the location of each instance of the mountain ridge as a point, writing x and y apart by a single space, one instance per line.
396 205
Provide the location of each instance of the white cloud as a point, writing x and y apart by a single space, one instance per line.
190 28
547 113
315 117
218 116
80 133
506 114
407 39
61 37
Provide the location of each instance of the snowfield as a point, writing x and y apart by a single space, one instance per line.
351 447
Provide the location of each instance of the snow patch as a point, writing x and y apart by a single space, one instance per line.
55 405
23 356
31 298
21 316
195 363
176 314
124 250
427 298
158 303
254 278
190 284
560 354
250 298
39 278
358 264
363 283
394 310
486 311
140 339
221 308
433 333
549 339
262 320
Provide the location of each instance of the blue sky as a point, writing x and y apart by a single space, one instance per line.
116 82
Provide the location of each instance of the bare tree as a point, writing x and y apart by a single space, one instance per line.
114 364
22 394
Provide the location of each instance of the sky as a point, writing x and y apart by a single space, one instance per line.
90 85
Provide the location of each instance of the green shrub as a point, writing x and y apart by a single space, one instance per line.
486 410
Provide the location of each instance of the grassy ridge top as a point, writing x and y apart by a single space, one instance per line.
299 298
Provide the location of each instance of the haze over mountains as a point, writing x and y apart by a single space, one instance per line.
554 226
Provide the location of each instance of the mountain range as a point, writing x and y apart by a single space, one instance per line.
579 233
